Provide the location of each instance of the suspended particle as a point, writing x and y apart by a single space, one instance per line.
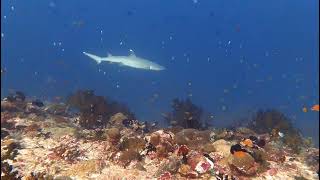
235 86
284 76
223 108
12 8
104 73
173 58
2 35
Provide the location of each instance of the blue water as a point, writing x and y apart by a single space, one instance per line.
230 57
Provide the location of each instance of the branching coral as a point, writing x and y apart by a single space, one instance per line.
185 114
266 121
271 121
95 110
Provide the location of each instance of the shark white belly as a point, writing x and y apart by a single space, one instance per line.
131 61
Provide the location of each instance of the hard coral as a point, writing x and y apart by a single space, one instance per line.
163 142
193 138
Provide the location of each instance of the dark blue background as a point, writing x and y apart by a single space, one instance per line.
263 53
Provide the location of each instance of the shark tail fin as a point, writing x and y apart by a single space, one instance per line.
94 57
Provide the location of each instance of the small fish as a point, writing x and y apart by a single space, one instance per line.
247 142
304 109
239 154
79 23
3 70
315 108
280 134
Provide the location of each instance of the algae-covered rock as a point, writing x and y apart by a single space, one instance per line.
193 138
208 148
58 132
117 119
222 147
136 144
113 135
244 164
171 165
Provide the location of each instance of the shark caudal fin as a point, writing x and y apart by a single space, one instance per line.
94 57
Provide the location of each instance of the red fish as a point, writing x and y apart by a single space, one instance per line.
315 108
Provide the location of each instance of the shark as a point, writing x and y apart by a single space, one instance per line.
131 60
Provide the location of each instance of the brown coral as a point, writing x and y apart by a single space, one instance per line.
193 138
95 110
185 114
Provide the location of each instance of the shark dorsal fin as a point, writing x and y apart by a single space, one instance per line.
132 53
109 54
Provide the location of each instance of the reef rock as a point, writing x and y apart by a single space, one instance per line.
244 164
193 138
222 147
117 119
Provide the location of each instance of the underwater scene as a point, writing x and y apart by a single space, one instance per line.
159 89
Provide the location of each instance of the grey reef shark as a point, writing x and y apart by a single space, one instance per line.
131 61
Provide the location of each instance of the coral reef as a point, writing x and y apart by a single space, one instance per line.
95 110
193 138
53 143
68 150
274 122
185 114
